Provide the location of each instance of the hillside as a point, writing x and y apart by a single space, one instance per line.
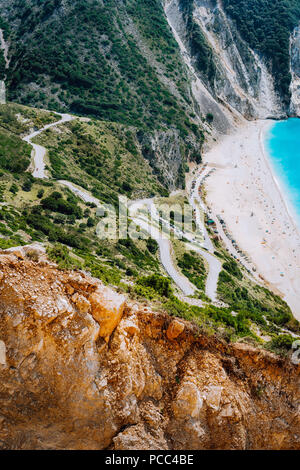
267 27
81 152
120 61
112 337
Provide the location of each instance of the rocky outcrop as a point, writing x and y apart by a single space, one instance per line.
155 383
295 72
4 51
241 83
168 153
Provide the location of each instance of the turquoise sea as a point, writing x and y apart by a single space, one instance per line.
283 146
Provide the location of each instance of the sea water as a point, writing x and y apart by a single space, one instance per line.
283 146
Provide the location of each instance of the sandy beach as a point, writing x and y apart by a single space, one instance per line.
245 192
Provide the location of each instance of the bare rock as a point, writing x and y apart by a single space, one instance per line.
82 304
66 388
188 401
107 309
2 353
175 329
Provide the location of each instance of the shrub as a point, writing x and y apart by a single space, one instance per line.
152 246
232 267
282 342
210 117
56 203
60 255
160 285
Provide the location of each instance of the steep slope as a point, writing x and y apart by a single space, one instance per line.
233 73
295 72
102 59
80 369
266 25
97 58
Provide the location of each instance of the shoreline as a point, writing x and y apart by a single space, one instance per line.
281 186
245 190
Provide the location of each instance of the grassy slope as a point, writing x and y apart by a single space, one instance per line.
25 216
82 148
101 157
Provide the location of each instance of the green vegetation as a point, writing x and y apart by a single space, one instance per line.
61 255
231 266
14 153
101 157
19 119
56 203
45 211
199 47
281 344
253 301
116 61
82 55
193 267
266 26
210 319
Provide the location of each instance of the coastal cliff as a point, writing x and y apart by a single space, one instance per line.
150 85
238 80
295 71
82 368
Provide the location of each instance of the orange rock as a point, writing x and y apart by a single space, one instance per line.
130 327
81 303
175 329
107 309
70 290
18 252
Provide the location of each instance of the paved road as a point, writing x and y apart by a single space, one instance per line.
215 265
84 195
165 247
39 151
139 211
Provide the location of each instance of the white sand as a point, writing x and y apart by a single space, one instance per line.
245 192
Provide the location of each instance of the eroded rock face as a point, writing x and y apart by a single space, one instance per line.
295 72
62 386
175 329
107 309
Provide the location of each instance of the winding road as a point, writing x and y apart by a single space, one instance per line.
195 201
39 152
165 248
139 212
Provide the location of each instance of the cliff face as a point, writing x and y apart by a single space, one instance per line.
4 66
295 71
79 369
241 81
